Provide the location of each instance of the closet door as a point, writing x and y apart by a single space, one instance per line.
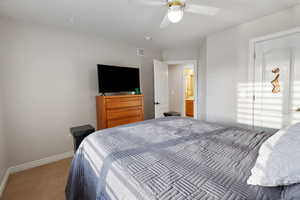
276 77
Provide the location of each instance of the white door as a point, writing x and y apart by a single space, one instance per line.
161 88
277 59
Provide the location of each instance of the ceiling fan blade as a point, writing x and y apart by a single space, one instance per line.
165 22
202 10
148 2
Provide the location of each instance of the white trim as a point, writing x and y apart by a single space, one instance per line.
177 62
32 164
253 41
43 161
4 182
276 35
195 63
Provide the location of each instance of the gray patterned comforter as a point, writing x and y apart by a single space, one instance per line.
168 159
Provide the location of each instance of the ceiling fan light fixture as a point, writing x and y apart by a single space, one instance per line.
175 13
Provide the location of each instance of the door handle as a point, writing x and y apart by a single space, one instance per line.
156 103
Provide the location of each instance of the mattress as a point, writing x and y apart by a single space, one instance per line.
168 159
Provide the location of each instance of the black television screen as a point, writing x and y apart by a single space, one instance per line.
118 79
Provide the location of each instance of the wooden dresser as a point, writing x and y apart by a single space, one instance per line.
119 110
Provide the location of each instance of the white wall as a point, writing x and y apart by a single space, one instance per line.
3 152
176 88
183 53
3 141
50 84
202 64
228 58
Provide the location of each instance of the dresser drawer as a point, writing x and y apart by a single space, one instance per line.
119 122
119 110
124 112
123 102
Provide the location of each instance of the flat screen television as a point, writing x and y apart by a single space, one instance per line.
114 79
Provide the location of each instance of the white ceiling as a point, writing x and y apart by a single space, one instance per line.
119 20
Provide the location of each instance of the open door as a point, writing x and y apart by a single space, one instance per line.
161 88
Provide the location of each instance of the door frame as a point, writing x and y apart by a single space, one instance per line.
196 96
252 57
252 43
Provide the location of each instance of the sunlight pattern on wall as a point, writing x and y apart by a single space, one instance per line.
244 103
268 107
266 111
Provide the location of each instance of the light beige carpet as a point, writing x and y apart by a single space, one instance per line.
46 182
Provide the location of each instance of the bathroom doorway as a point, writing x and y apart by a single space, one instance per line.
189 88
175 88
181 89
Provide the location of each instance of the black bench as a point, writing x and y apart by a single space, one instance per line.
171 113
79 133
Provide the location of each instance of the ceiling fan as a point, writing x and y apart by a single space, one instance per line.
176 9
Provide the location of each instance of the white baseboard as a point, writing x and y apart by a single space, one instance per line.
4 182
40 162
32 164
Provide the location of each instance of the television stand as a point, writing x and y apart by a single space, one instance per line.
119 110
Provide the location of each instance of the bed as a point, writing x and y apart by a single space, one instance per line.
168 159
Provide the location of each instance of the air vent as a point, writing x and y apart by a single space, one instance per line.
140 52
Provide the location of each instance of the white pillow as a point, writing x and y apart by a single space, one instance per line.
278 162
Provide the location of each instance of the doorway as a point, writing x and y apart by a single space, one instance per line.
276 80
175 88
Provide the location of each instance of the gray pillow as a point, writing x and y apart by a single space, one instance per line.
291 192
